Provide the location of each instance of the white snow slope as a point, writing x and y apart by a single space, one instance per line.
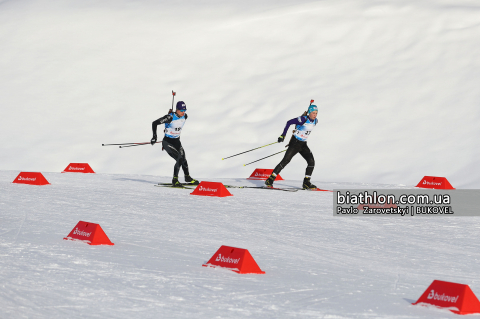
396 82
317 265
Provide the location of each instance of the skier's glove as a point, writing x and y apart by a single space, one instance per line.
153 140
281 138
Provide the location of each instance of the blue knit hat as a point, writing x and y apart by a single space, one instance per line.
181 106
312 108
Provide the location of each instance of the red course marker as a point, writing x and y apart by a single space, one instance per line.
78 168
31 178
457 298
263 173
434 182
211 189
235 259
89 233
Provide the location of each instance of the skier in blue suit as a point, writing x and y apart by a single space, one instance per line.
174 122
298 144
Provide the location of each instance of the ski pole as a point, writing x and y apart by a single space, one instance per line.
249 150
138 144
264 158
122 144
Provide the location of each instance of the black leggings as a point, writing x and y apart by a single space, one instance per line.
295 147
174 148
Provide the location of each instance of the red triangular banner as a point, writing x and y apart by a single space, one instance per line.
90 233
435 183
236 259
31 178
211 189
263 174
455 297
78 168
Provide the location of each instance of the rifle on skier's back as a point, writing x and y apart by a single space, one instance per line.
304 113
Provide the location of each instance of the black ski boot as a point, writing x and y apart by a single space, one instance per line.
175 182
307 184
270 180
190 180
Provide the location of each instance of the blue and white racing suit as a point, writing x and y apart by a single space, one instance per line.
171 141
298 144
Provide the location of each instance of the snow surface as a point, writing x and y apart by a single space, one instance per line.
317 265
396 83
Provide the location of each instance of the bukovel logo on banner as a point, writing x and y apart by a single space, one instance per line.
227 260
431 183
435 296
76 168
205 189
81 233
20 178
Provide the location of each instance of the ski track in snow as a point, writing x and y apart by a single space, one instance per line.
317 265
